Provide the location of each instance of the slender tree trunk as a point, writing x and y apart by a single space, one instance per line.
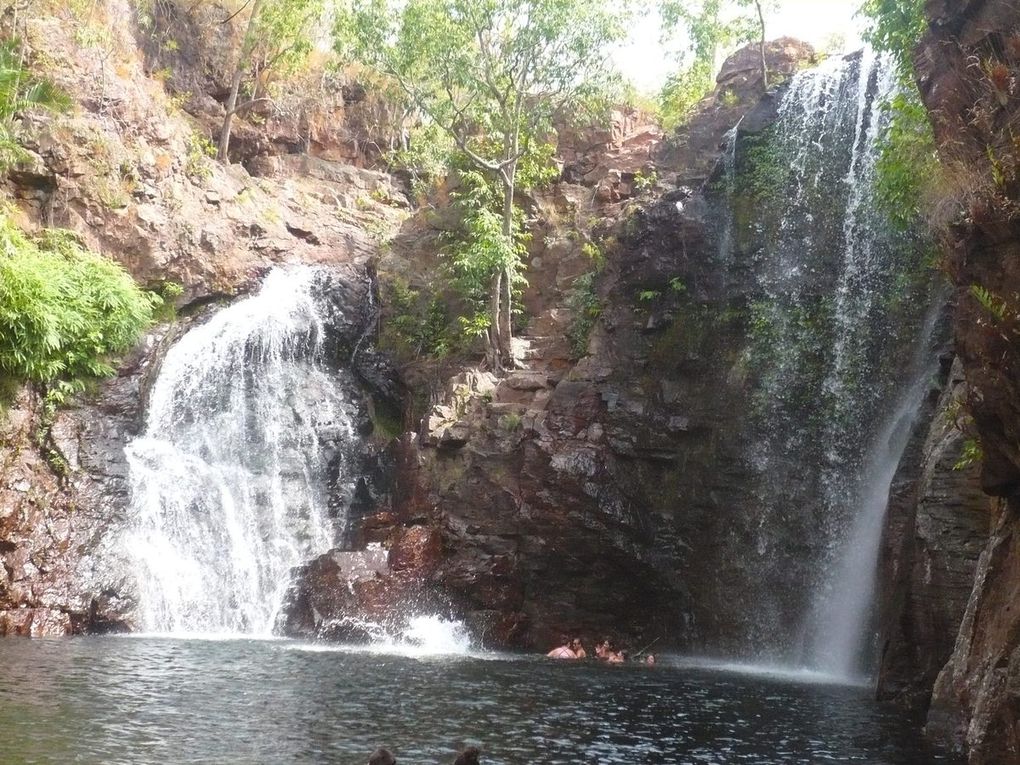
506 328
761 45
223 149
507 349
495 315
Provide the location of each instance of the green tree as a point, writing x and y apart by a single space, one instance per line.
277 37
908 167
490 74
896 26
712 27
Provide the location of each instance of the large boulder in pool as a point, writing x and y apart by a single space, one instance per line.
359 596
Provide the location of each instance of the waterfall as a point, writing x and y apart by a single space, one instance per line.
247 433
841 614
839 303
728 165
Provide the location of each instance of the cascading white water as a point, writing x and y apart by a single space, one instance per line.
729 186
837 301
245 436
841 611
856 291
422 635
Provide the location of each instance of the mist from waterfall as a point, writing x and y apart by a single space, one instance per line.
247 433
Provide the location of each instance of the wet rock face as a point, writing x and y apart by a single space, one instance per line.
62 498
938 523
974 701
587 497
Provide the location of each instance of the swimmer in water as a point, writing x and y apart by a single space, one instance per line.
563 652
578 649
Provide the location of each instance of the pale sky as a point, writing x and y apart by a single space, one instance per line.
646 63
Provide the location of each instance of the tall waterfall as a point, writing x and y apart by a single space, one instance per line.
246 437
840 330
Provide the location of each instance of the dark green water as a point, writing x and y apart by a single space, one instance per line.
151 700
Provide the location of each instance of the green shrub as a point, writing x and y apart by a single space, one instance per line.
583 301
416 324
972 454
908 163
65 312
196 162
21 91
996 306
510 422
896 26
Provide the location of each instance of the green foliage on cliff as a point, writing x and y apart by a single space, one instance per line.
764 168
971 454
908 165
492 75
481 248
896 26
586 307
20 91
278 37
712 27
64 311
416 324
908 162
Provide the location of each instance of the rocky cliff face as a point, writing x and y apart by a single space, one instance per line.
967 67
507 481
938 523
553 499
618 493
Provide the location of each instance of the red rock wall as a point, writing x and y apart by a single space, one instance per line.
968 66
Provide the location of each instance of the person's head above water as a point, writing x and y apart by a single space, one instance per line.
382 756
468 757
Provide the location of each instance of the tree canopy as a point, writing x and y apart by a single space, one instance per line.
491 75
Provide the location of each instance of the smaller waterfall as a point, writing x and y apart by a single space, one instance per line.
246 434
729 186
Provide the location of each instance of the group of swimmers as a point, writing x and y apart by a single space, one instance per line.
606 651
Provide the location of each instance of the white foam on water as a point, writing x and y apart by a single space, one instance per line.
206 637
424 636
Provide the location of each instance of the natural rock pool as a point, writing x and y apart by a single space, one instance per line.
162 700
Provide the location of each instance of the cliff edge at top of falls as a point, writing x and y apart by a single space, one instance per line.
127 170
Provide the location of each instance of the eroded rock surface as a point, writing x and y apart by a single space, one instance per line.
938 524
974 705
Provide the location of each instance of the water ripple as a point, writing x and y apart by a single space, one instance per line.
145 701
